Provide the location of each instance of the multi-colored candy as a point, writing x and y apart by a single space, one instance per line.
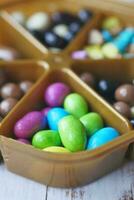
66 126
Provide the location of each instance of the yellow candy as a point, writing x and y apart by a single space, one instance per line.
56 149
94 52
110 51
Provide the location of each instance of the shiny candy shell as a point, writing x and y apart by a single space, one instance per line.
55 93
54 115
102 137
72 133
61 30
46 138
76 105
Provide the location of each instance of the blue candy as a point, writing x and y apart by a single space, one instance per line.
54 115
101 137
124 39
106 36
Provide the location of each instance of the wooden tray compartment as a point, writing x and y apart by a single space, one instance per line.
60 170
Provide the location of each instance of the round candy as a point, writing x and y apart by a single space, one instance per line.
84 15
68 36
55 149
88 78
92 122
106 88
76 105
38 21
8 54
29 124
7 105
123 108
82 54
54 115
95 37
110 50
19 17
46 138
25 86
44 111
102 137
11 90
60 30
74 27
55 94
125 93
53 40
25 141
72 133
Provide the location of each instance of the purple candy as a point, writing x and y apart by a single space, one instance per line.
44 111
55 94
79 54
29 124
23 141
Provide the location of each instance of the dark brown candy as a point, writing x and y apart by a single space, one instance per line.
6 105
25 86
11 90
125 93
3 77
88 78
122 108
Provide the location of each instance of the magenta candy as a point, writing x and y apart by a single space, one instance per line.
25 141
79 54
29 124
44 111
55 94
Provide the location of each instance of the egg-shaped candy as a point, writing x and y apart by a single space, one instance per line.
54 116
29 124
125 93
7 105
46 138
19 17
8 54
72 133
84 15
76 105
81 54
11 90
122 108
88 78
102 137
92 122
55 94
60 30
38 21
56 149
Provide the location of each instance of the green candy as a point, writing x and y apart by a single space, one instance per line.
72 133
76 105
46 138
57 149
92 122
110 23
94 52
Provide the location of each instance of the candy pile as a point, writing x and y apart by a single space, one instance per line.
10 93
54 31
121 95
112 40
8 53
65 125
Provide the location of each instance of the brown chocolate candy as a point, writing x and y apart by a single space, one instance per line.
88 78
8 54
11 90
125 93
123 108
25 86
6 106
3 77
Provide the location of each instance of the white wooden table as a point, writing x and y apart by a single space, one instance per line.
118 185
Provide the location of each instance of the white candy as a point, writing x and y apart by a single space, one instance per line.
60 30
95 37
19 17
38 21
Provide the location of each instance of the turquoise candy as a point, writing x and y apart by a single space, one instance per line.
46 138
76 105
72 133
54 115
102 137
92 122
